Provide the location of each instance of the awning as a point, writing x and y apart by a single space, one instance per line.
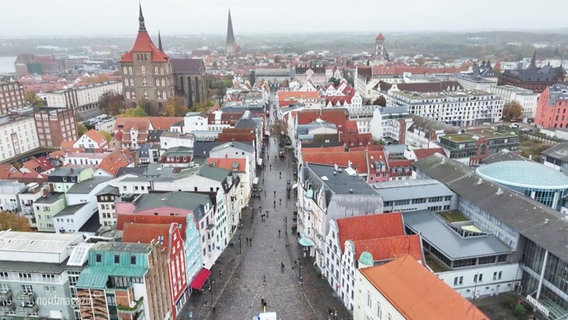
294 186
255 180
305 242
199 279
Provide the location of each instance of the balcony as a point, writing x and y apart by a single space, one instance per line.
6 295
134 308
28 307
7 306
26 296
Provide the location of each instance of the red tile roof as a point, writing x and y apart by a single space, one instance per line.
163 123
423 153
382 70
227 163
114 161
96 137
323 149
390 248
296 95
146 232
5 170
417 293
357 139
371 226
143 43
123 219
336 116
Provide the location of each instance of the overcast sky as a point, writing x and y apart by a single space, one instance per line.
173 17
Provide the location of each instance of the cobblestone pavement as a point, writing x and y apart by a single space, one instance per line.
237 292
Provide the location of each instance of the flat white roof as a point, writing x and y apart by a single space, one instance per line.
40 244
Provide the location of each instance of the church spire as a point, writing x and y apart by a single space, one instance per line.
230 35
533 60
141 26
160 41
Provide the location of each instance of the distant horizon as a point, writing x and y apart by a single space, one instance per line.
110 18
385 33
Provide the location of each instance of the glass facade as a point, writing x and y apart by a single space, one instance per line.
554 289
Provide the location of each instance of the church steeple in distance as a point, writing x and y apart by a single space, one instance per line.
141 26
230 43
160 41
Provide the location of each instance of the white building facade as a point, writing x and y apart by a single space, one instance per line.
527 98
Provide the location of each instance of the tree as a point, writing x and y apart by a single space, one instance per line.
512 110
335 81
175 107
135 112
81 129
106 135
100 78
203 106
279 129
33 100
111 103
13 221
380 101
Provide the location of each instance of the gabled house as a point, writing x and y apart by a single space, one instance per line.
113 161
91 141
170 238
363 241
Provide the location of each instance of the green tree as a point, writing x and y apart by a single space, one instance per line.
380 101
335 81
111 103
13 221
512 110
175 107
33 100
106 134
135 112
279 129
203 106
520 311
81 129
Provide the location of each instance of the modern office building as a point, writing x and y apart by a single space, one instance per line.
55 125
535 232
532 179
552 106
415 195
19 135
11 96
38 272
525 97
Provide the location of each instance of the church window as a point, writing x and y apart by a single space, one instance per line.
145 94
163 82
125 70
130 70
128 95
144 82
162 70
157 82
155 69
131 81
143 69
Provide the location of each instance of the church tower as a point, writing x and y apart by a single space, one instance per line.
146 70
230 43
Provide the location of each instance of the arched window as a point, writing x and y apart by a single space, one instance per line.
161 70
163 82
128 95
130 70
125 70
155 69
145 94
144 82
143 69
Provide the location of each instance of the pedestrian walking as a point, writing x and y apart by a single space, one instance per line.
282 267
220 273
280 201
266 214
278 233
264 279
274 203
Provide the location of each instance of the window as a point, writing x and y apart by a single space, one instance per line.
132 259
98 257
369 301
116 258
379 311
3 275
25 276
26 288
48 277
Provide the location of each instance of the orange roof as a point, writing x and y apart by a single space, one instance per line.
423 153
143 43
227 163
371 226
390 248
356 139
336 116
96 137
417 293
145 232
322 149
163 123
123 219
126 123
295 95
5 170
66 144
341 158
114 161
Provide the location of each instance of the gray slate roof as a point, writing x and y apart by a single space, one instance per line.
188 66
201 149
559 151
441 236
85 186
69 210
341 182
183 200
213 172
504 155
410 189
532 219
109 190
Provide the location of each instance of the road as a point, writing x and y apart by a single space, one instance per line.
252 273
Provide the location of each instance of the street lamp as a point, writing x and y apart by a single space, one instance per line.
240 245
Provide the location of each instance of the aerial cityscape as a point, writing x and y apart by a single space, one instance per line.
274 161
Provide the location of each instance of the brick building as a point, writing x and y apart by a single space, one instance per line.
552 107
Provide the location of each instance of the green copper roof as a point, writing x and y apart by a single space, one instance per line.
366 259
96 277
